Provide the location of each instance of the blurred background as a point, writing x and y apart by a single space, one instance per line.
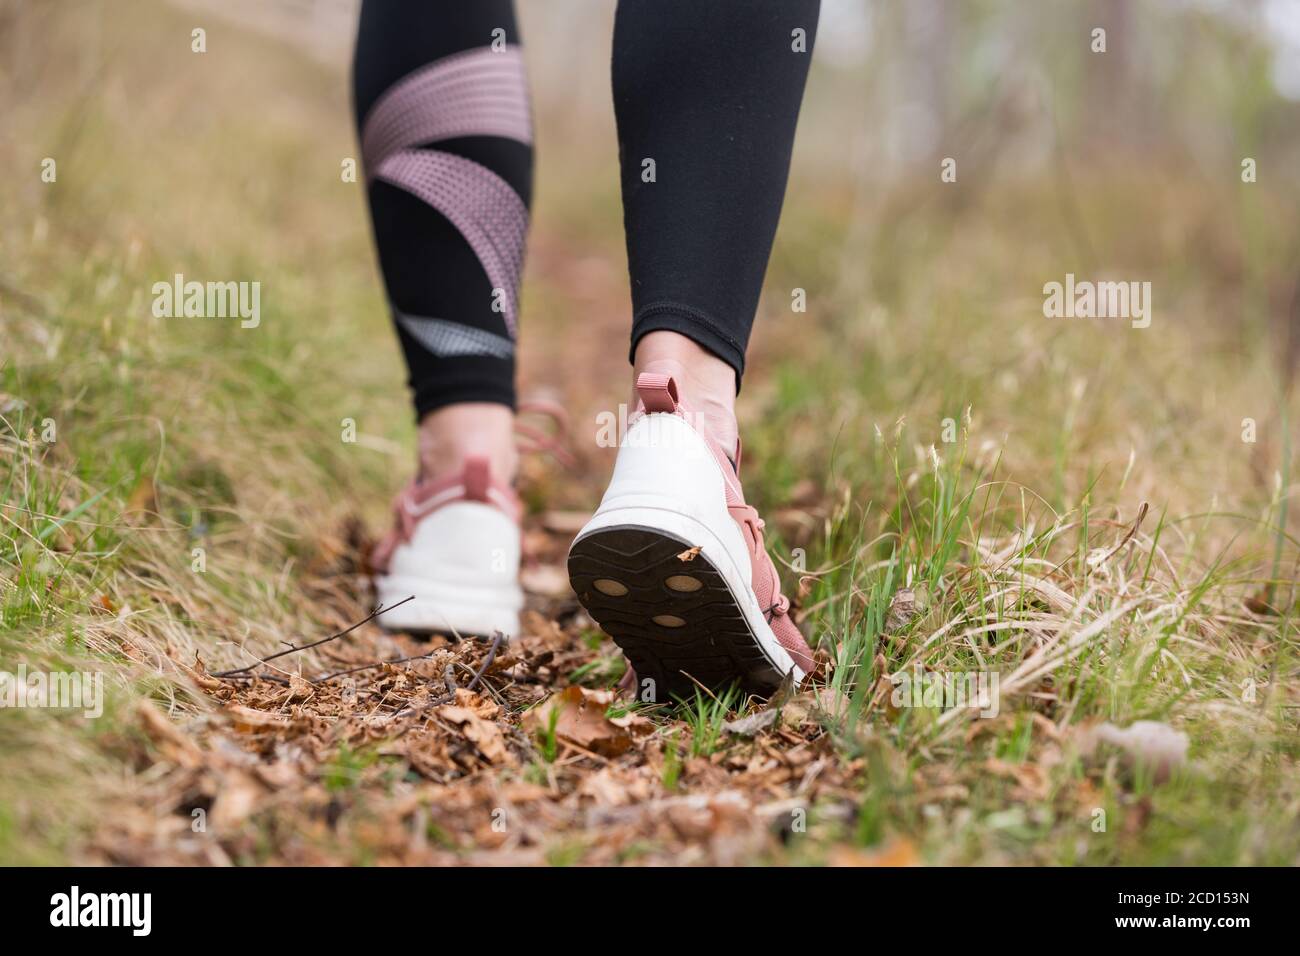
1121 165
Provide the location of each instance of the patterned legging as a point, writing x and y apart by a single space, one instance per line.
706 98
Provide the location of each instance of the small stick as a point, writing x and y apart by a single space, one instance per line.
497 638
276 678
366 667
306 647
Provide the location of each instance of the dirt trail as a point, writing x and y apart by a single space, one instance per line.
384 749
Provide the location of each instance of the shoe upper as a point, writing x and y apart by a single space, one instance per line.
659 394
431 522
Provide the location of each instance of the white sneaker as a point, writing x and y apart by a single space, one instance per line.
672 565
454 547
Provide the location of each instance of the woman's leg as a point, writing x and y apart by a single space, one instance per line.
442 111
707 97
673 564
446 139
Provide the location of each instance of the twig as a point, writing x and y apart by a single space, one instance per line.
276 678
497 638
366 667
447 698
306 647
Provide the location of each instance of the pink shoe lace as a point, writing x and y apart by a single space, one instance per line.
475 481
767 587
533 439
420 499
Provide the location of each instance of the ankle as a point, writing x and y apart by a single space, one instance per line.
708 384
451 434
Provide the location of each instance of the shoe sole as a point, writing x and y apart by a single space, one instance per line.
443 609
675 618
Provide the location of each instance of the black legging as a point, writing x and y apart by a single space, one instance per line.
706 95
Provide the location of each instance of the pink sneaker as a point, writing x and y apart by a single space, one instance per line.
455 547
672 564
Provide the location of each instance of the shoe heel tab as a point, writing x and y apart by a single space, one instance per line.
658 393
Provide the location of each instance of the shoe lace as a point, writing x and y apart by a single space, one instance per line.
530 438
748 515
533 439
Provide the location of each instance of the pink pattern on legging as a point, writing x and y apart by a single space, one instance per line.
478 202
479 92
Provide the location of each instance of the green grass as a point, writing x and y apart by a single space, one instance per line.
704 715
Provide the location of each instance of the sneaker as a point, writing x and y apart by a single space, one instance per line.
672 564
455 547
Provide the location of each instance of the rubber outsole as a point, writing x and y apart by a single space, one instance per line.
670 630
426 628
438 611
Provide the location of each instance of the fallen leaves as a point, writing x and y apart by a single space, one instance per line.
238 795
484 734
903 608
376 748
301 767
250 721
900 852
1031 778
299 688
751 724
175 745
580 716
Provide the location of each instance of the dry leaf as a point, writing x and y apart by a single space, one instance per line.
484 734
237 796
144 497
580 719
248 720
897 853
604 788
299 687
903 608
1031 778
689 554
170 740
752 724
